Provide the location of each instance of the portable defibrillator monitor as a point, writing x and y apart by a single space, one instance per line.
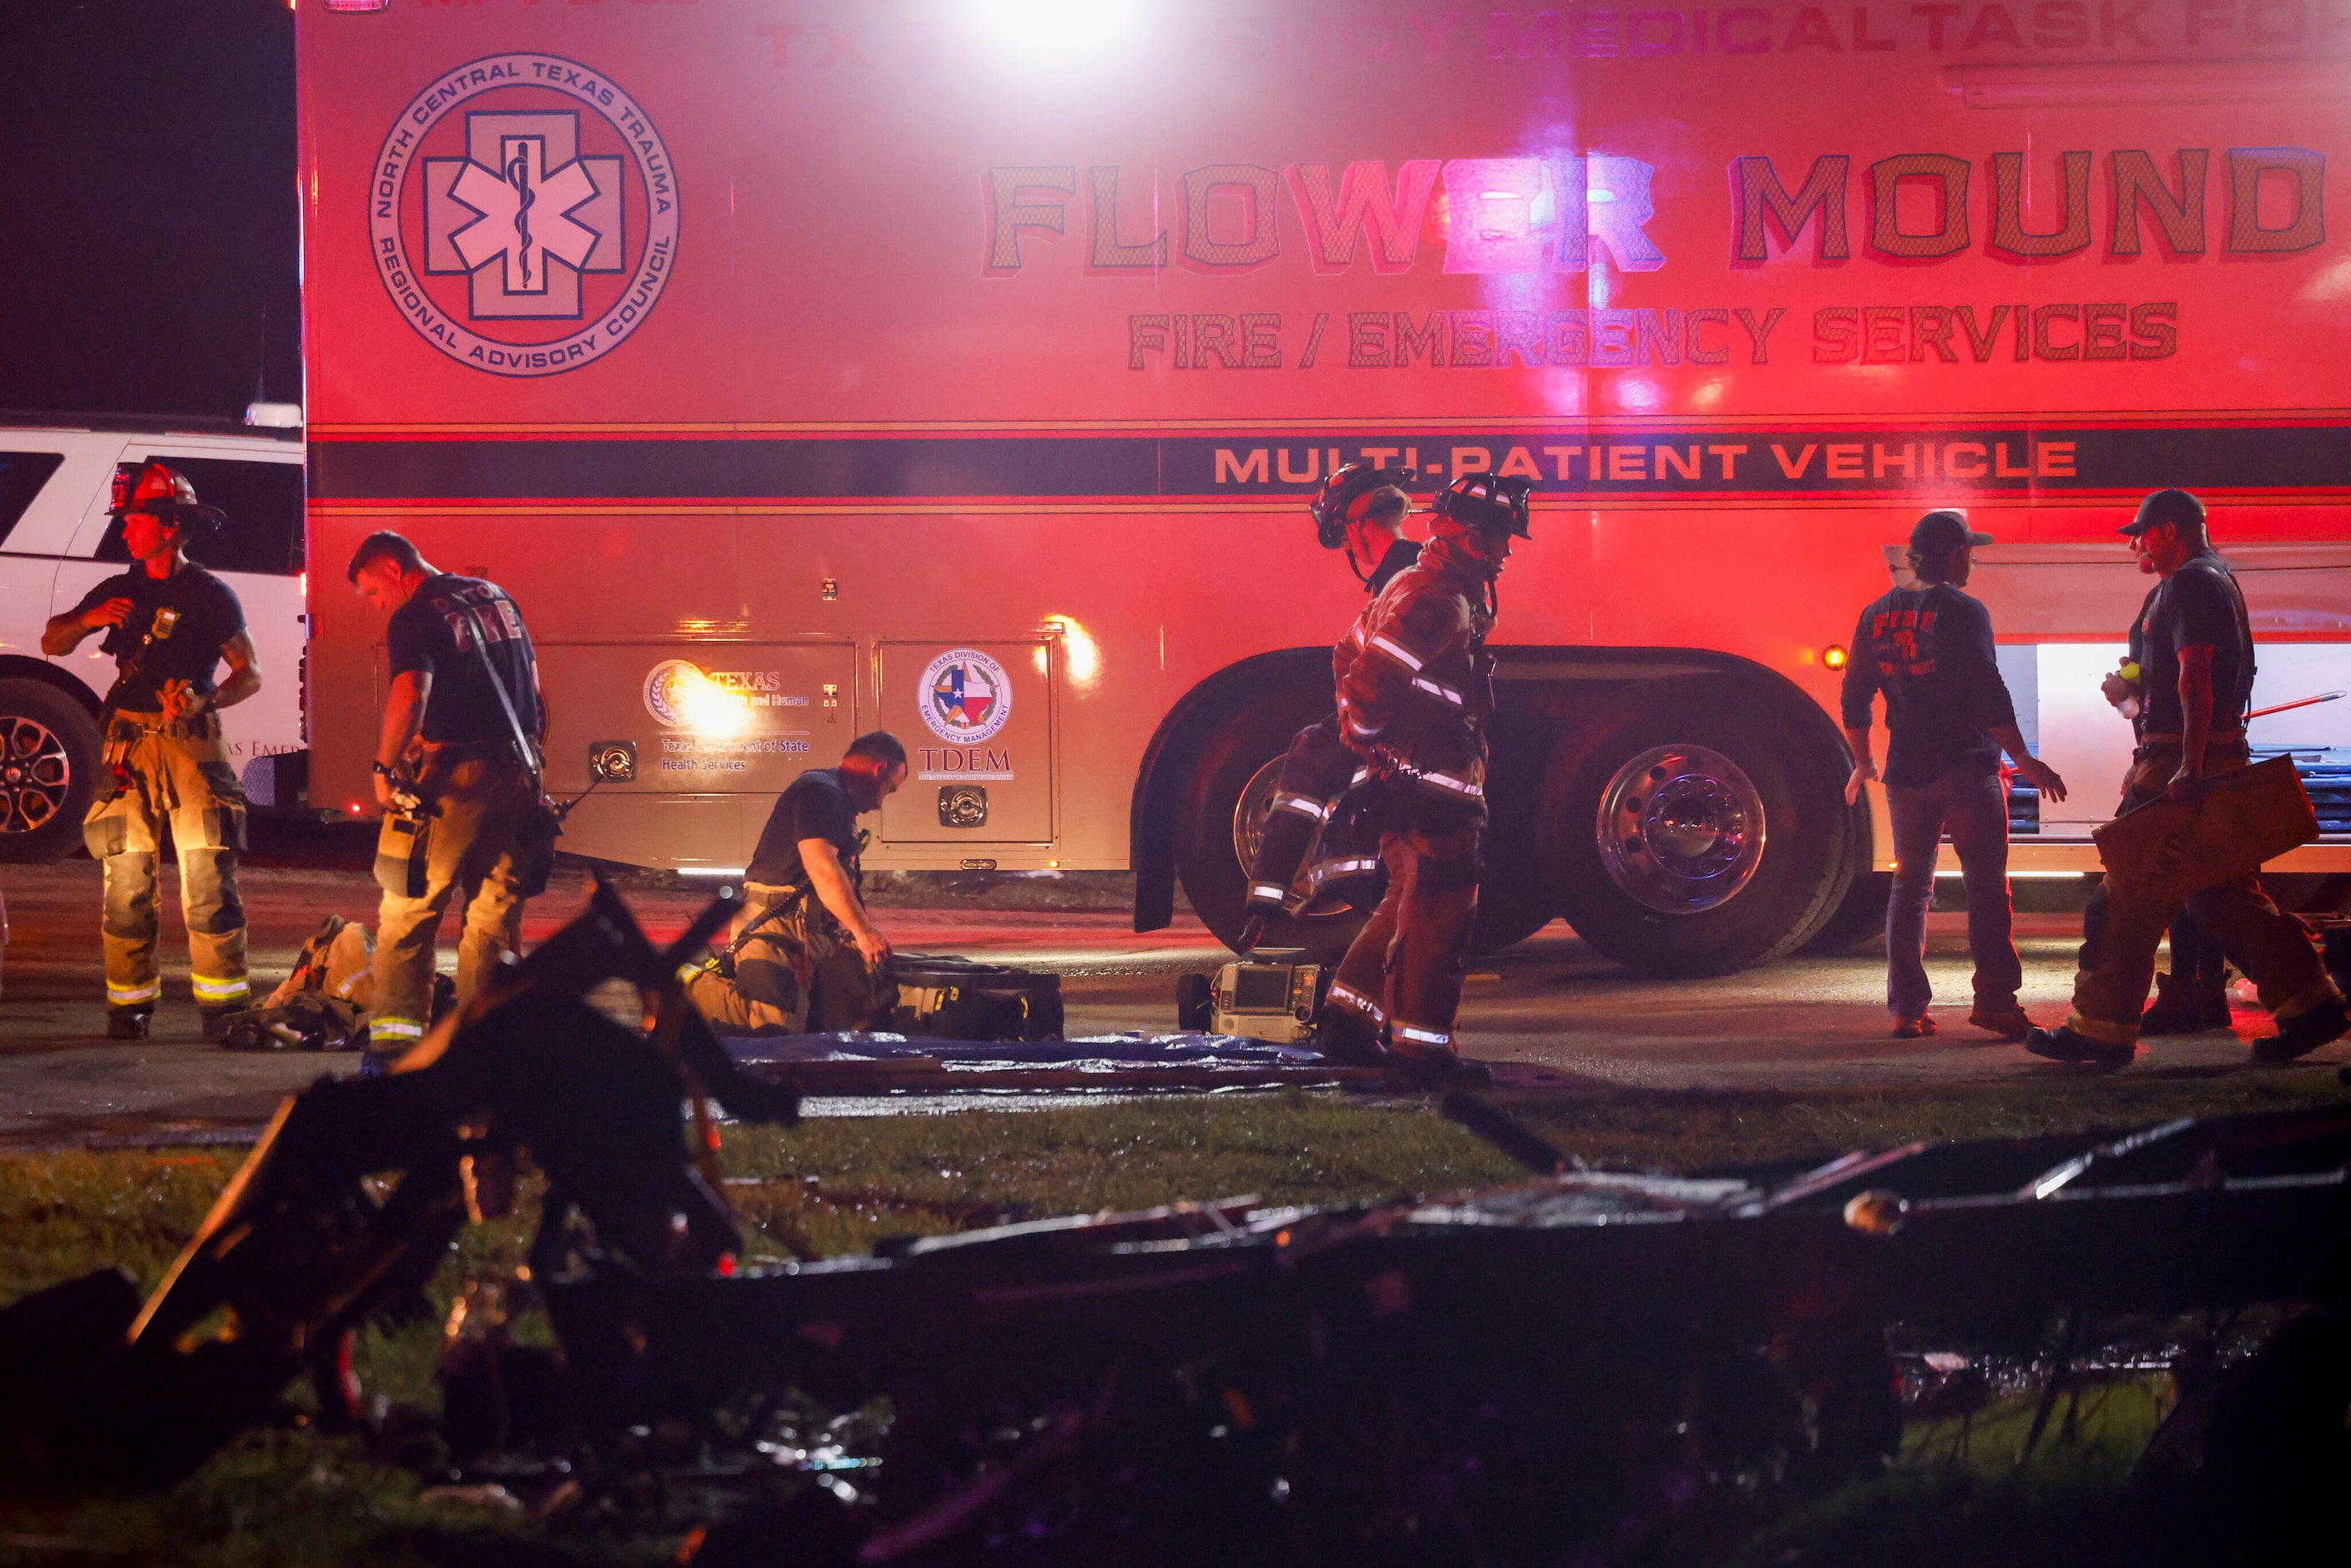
1267 1001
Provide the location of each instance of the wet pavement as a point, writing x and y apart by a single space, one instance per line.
1548 1012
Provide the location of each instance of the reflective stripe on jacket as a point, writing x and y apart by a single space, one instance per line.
1411 678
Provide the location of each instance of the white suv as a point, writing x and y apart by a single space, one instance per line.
57 543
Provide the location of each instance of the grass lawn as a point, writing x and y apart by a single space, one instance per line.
292 1498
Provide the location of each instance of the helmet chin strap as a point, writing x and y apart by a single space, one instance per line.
1489 569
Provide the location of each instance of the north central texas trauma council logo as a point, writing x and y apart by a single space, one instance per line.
964 696
533 232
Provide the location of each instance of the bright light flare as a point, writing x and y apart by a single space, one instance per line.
710 709
1056 29
1080 655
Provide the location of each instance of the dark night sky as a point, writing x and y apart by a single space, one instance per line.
148 173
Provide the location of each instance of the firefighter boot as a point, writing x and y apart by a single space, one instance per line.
1345 1035
2304 1033
2066 1044
1434 1071
127 1023
2181 1006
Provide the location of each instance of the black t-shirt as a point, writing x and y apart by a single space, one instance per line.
433 632
1929 650
191 613
2197 604
816 805
1400 556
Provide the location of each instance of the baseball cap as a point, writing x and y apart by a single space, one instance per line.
1940 532
2168 507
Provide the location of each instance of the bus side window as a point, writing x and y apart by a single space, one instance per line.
263 503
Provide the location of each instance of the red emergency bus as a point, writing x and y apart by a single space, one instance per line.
962 368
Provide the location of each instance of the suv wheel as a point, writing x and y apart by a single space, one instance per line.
50 761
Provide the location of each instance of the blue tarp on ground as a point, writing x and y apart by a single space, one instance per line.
1120 1053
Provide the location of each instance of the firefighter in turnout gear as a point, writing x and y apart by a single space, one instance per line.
2192 681
1415 691
1360 510
457 768
805 956
170 624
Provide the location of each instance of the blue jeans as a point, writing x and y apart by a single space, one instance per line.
1972 806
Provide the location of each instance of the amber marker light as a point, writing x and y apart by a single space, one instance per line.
1834 655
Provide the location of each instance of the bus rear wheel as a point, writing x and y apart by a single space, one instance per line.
1694 836
1860 916
49 760
1225 799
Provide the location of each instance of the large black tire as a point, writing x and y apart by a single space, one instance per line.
1515 900
50 754
1779 802
1860 917
1214 878
1510 908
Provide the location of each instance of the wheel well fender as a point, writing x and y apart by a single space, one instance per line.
14 667
1151 839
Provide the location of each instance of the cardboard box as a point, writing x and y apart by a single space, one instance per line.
2248 816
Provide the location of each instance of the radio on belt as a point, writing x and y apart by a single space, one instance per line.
1274 1002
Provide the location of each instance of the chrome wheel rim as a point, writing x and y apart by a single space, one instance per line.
1250 814
35 774
1680 829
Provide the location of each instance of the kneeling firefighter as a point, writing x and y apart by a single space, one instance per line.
1415 686
805 956
1360 510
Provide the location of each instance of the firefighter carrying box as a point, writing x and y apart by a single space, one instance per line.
2193 650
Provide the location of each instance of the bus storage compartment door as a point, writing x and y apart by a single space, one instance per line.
720 722
2079 734
978 721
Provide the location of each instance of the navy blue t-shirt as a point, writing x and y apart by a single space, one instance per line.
177 627
816 805
434 632
2200 603
1929 650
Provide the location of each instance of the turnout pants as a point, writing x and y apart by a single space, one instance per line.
1404 970
1315 772
2122 925
1969 804
797 974
481 800
2199 968
179 775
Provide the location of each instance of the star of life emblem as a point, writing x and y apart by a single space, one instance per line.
523 215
